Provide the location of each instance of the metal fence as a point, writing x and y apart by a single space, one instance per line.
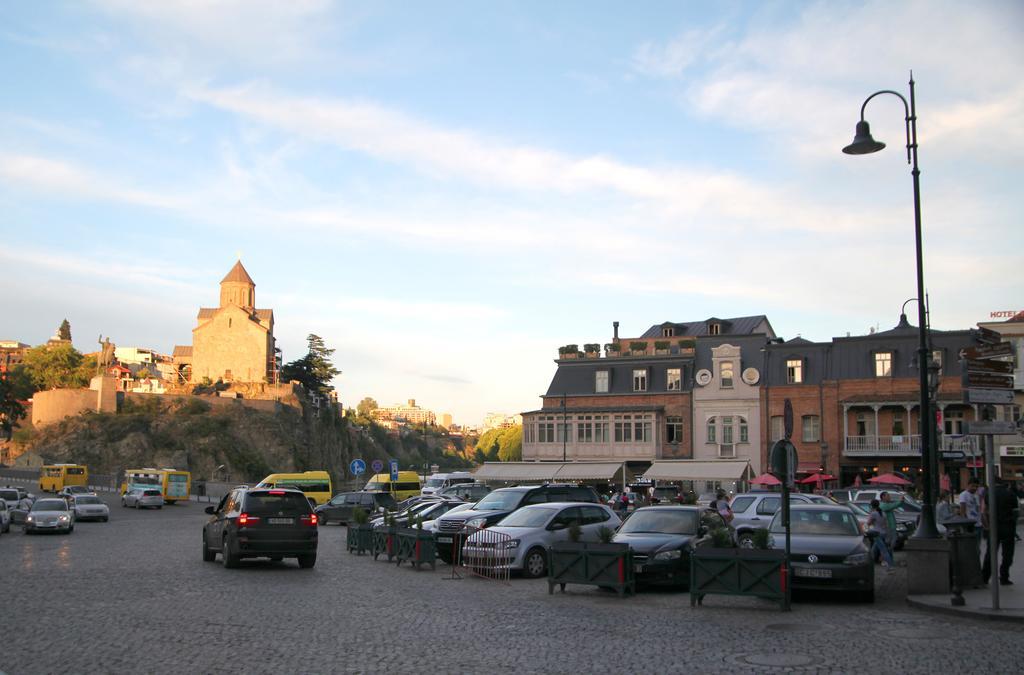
483 553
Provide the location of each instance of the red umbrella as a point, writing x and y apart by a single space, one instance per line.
889 479
818 478
765 479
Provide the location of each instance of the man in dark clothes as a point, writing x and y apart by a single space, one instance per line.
1005 531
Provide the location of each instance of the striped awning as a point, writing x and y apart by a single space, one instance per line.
694 469
547 471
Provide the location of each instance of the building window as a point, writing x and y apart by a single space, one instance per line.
601 382
883 364
640 379
674 429
546 430
529 432
897 424
642 428
675 379
712 435
778 427
667 332
794 371
623 428
811 428
937 358
585 429
953 421
727 430
744 433
563 430
715 329
725 375
865 424
600 428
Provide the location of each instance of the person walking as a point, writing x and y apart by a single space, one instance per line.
876 532
888 508
944 509
721 506
970 507
1004 528
624 503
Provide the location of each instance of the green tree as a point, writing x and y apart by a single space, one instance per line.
314 370
56 367
64 332
10 409
366 407
510 444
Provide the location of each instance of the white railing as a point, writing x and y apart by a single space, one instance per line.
965 444
886 446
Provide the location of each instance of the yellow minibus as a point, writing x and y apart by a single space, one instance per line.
315 484
56 477
174 484
407 485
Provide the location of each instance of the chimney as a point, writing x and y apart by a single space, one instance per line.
615 331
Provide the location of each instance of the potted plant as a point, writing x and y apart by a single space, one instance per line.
360 533
416 545
568 351
686 345
600 563
638 348
661 346
718 567
613 348
384 538
592 350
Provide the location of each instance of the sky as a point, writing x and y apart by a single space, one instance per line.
447 192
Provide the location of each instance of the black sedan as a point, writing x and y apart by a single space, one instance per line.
661 538
827 550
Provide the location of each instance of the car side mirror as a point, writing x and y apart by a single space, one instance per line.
210 510
557 526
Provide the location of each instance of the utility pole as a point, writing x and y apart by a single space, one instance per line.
563 429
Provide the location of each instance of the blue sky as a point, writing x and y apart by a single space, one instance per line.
447 192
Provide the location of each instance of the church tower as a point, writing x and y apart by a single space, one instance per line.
238 288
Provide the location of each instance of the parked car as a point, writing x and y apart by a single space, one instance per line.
11 496
428 509
431 525
471 492
754 510
841 496
72 491
270 523
5 517
439 481
500 503
705 499
90 507
532 530
827 550
50 514
143 498
661 538
339 509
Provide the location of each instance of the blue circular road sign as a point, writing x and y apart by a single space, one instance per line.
377 465
357 466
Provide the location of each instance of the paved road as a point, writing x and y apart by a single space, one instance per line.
133 595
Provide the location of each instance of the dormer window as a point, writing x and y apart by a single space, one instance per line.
883 364
668 331
715 329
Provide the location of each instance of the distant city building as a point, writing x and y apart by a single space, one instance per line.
500 421
12 353
233 342
446 420
410 413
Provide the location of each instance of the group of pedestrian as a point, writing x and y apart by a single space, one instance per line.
1000 524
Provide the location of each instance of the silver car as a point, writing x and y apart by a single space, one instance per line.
49 515
90 507
521 540
72 491
143 498
5 517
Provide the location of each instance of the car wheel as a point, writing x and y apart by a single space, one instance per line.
228 557
124 504
71 529
161 506
745 540
105 518
866 596
209 555
535 564
307 561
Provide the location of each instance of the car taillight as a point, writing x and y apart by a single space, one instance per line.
245 519
276 492
311 519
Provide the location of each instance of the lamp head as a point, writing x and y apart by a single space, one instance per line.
863 144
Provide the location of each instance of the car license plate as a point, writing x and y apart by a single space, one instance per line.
280 521
444 540
813 573
638 568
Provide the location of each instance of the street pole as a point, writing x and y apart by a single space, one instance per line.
990 494
862 144
563 429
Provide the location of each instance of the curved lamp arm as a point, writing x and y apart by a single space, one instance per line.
908 115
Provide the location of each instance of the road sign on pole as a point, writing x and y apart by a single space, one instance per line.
357 467
988 396
994 427
971 380
989 366
377 466
393 468
987 351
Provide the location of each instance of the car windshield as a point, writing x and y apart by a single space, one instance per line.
88 500
831 522
151 493
819 499
434 482
529 517
9 495
50 505
663 521
499 500
78 488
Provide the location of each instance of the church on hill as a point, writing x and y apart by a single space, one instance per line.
233 342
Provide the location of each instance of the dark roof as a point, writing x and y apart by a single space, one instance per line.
798 341
577 378
742 325
238 273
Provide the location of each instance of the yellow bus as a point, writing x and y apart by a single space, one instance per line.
174 484
56 477
407 485
315 484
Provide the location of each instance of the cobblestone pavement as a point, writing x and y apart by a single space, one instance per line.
133 595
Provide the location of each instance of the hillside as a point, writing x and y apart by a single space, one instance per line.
188 433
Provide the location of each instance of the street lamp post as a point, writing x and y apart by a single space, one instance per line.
864 144
563 429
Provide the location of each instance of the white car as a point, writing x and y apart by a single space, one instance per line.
90 507
49 514
143 498
5 517
521 540
72 491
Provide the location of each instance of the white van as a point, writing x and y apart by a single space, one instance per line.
439 481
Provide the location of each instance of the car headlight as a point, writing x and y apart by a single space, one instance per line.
63 519
669 555
856 559
476 522
30 519
512 543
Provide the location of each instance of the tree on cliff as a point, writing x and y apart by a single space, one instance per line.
314 370
10 409
64 332
53 367
366 407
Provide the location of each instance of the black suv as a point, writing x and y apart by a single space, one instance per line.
261 523
341 506
498 504
471 492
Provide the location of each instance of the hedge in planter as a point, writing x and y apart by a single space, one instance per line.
417 546
594 564
359 538
385 541
737 571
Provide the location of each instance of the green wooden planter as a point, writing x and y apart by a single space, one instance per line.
359 539
737 571
385 542
416 546
604 565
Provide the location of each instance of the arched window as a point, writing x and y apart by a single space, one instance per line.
744 434
712 435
